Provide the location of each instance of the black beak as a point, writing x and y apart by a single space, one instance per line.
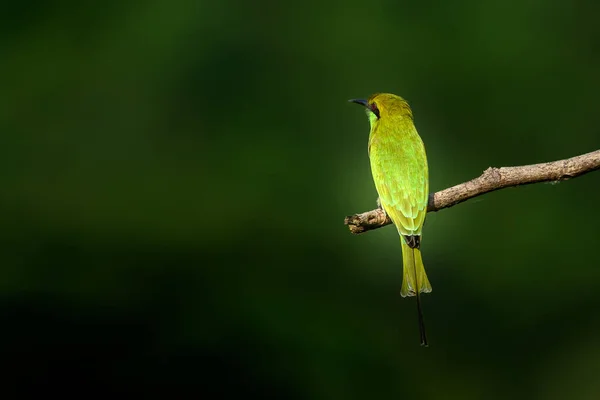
362 102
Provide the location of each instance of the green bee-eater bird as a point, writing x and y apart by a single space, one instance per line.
399 168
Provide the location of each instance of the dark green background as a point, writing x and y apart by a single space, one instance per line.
175 175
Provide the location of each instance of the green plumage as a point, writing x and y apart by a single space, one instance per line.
399 168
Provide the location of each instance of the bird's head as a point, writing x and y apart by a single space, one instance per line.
385 107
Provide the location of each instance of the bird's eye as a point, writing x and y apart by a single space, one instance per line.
375 110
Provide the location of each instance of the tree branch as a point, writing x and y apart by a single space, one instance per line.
492 179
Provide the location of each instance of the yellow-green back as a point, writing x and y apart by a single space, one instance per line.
398 162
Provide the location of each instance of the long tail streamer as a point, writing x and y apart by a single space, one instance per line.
419 310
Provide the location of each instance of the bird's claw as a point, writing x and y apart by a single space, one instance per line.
380 206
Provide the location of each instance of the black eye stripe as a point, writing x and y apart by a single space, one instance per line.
374 108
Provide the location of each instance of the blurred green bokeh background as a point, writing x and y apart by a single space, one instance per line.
175 175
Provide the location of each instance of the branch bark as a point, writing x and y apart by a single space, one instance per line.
492 179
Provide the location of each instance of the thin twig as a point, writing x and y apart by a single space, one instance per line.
492 179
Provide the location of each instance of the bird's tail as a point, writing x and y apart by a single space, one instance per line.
414 280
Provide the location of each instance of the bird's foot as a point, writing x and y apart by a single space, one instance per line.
381 207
